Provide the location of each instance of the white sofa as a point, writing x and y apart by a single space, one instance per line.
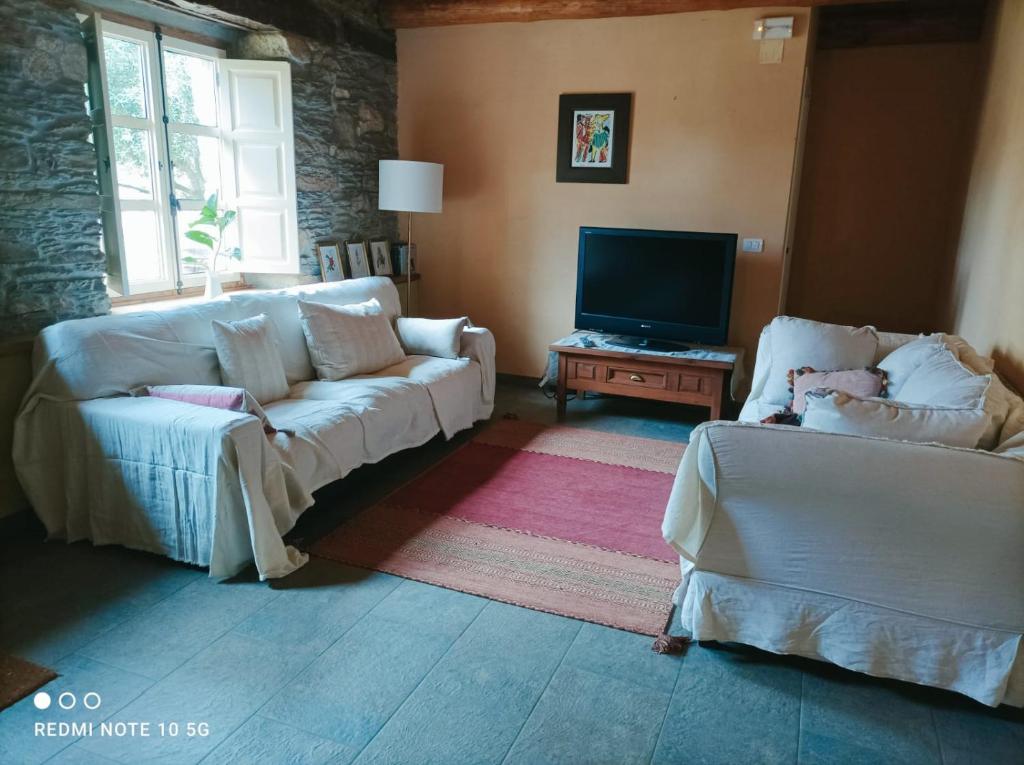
204 485
892 558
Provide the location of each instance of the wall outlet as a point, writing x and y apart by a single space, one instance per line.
753 245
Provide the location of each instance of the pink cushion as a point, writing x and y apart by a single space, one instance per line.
216 396
861 383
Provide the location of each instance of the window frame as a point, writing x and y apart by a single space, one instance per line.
161 169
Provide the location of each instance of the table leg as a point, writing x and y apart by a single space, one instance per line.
717 397
560 388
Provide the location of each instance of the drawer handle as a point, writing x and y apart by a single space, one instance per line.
636 378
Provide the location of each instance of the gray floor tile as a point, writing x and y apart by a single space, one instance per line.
970 734
318 604
850 719
731 708
161 639
624 656
78 676
76 754
261 740
425 606
584 717
352 689
220 687
486 685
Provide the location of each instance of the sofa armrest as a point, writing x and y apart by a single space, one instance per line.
922 528
478 345
197 483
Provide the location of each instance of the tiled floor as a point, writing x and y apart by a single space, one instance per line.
337 665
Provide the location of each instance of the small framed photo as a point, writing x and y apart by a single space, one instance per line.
329 255
593 138
358 260
380 257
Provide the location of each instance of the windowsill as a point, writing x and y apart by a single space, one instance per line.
155 301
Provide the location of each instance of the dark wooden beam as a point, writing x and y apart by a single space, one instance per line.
910 22
404 14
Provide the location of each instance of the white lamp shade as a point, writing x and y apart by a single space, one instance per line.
410 186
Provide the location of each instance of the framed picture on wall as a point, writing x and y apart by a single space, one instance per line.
380 257
593 138
329 255
358 261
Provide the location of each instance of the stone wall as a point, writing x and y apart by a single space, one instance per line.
345 121
345 113
51 267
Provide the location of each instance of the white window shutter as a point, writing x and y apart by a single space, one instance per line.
103 138
258 152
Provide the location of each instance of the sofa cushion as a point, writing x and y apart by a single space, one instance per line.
249 357
389 411
904 360
862 383
941 380
348 340
837 412
431 337
797 343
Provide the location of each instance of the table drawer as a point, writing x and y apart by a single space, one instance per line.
636 378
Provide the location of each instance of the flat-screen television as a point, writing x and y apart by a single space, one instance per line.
655 285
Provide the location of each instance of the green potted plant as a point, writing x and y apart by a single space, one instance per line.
208 230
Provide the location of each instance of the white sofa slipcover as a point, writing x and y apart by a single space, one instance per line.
891 558
203 485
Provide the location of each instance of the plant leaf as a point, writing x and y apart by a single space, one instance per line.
201 237
226 219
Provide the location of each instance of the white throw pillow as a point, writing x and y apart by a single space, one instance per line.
941 380
902 362
836 412
249 357
346 340
431 337
797 343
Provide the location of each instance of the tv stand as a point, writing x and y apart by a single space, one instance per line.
641 373
646 344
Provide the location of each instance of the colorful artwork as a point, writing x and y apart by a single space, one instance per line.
592 138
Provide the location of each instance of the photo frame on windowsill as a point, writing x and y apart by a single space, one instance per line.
593 137
380 257
358 259
332 268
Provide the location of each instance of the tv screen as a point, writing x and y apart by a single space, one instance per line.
669 285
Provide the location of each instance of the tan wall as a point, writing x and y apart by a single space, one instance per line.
15 372
988 297
712 149
888 132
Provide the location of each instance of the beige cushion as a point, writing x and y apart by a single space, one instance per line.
346 340
797 343
249 357
837 412
431 337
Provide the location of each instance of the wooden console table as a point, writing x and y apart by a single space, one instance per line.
642 375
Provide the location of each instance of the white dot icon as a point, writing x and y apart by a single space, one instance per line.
42 700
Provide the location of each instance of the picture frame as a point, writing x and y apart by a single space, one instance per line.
329 253
358 260
380 257
593 137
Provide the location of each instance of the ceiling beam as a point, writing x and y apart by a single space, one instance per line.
405 14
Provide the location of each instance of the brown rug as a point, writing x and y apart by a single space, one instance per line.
556 519
18 678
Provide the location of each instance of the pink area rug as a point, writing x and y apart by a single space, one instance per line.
553 518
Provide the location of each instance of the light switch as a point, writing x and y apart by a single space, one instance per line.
753 245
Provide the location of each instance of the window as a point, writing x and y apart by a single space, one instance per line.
174 123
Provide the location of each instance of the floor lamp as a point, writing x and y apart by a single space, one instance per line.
410 187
